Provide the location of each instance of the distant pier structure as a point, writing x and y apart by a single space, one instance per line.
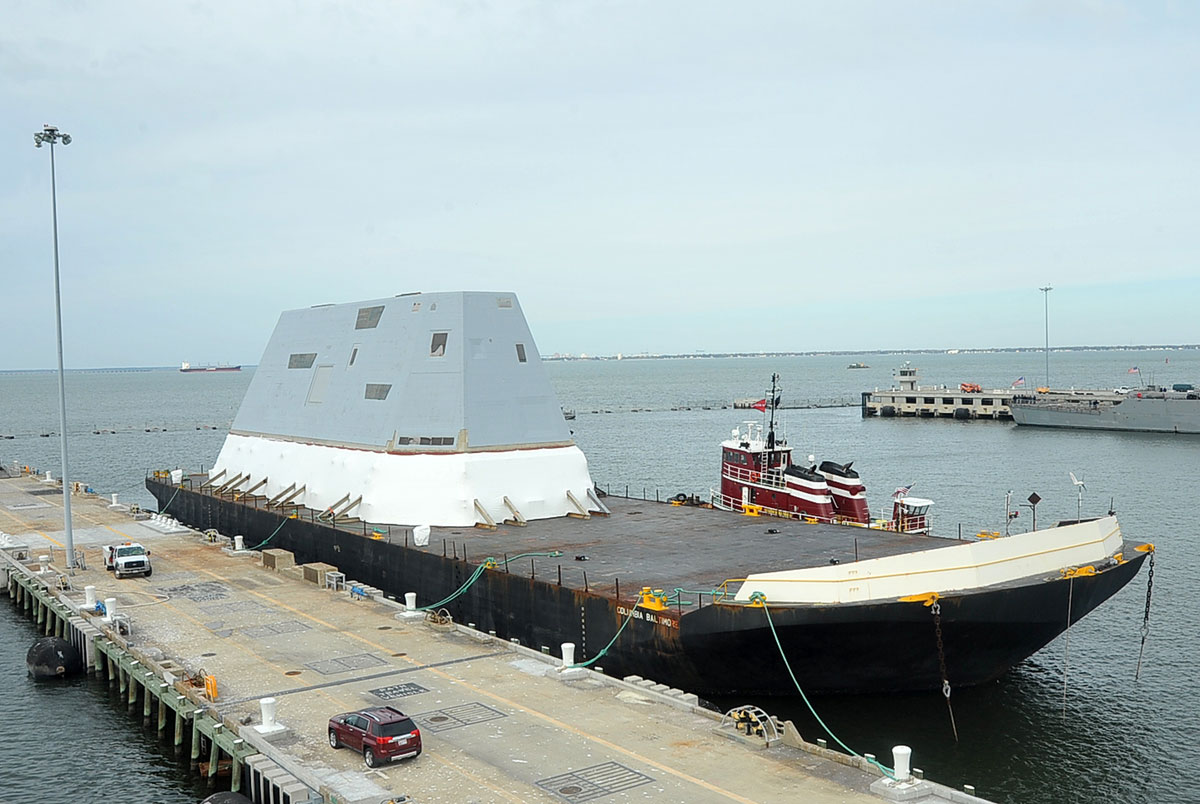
909 398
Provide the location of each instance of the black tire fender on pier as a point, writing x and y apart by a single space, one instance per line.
887 411
53 657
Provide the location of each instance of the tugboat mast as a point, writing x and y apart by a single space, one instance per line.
771 427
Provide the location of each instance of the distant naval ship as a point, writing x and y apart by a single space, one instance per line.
1147 410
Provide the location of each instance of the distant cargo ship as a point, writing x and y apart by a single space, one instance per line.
188 368
1147 411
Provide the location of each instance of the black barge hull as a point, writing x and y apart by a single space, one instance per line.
708 647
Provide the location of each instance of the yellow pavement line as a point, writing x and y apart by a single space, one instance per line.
25 524
501 699
474 777
341 703
478 690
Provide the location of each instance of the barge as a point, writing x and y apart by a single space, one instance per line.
416 444
909 398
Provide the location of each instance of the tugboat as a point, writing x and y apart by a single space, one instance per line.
758 477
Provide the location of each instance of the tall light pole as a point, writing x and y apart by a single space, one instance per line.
1046 293
50 134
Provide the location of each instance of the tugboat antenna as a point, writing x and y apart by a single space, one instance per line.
771 428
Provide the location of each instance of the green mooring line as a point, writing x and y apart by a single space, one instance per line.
758 597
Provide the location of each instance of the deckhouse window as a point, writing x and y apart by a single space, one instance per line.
302 361
368 317
353 354
521 352
377 390
437 346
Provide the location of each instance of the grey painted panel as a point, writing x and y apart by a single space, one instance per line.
476 383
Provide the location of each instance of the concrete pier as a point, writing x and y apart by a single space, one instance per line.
212 632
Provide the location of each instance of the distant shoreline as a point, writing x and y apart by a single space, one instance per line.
562 358
105 370
841 353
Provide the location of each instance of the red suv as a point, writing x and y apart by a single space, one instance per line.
382 734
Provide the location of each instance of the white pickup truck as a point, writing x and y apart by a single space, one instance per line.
125 559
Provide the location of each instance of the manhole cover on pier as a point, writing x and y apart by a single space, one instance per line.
595 782
456 716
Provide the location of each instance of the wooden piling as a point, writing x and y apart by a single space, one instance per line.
214 754
162 706
238 765
147 697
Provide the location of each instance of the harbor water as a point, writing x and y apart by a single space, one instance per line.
1071 724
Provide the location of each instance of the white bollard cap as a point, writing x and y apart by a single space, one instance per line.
410 600
114 498
239 542
902 762
89 597
568 653
267 705
110 608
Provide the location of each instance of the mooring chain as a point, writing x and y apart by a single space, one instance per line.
1067 642
1146 618
936 609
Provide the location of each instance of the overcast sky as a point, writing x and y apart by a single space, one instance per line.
656 176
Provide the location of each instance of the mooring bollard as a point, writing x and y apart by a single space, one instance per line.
239 543
110 609
568 653
267 706
901 762
410 600
89 597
